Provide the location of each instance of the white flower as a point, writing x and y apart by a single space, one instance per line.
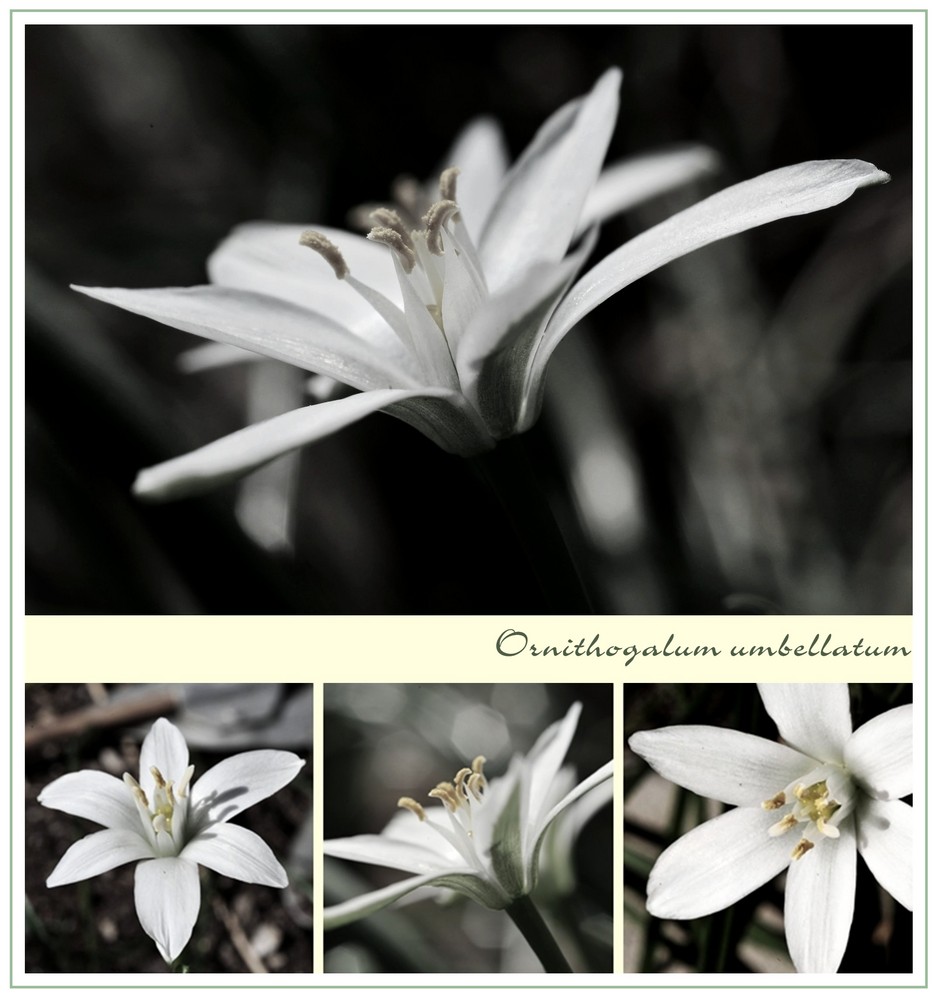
808 806
483 839
449 321
171 827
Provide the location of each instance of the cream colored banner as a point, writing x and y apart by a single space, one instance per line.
696 649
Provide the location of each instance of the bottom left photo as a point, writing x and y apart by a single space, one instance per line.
168 828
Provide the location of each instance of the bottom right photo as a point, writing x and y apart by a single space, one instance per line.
768 828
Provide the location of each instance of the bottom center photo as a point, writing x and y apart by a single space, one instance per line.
468 828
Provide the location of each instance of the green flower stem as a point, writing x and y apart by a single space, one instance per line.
536 933
509 473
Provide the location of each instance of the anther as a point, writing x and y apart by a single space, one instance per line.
783 825
326 249
392 238
440 213
139 794
776 802
478 764
446 797
801 849
475 784
157 777
389 219
414 806
182 787
459 780
448 183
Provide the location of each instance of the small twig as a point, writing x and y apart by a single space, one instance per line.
238 938
120 713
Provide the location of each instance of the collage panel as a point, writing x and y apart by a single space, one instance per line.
748 809
168 828
468 828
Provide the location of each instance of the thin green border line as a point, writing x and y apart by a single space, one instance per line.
627 980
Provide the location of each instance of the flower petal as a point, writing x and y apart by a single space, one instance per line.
482 159
794 190
371 902
164 748
388 851
819 897
641 178
167 894
239 453
238 782
542 764
715 865
273 327
447 419
723 764
886 842
93 795
542 198
98 852
879 754
813 718
236 852
267 257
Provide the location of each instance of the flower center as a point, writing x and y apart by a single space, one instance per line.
457 795
164 817
818 803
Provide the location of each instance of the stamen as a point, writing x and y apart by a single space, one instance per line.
160 823
392 238
828 829
446 797
326 249
801 849
139 794
477 764
776 802
414 806
182 788
408 193
783 825
440 213
157 777
389 219
459 782
475 784
448 183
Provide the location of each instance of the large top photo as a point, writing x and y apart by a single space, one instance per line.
464 319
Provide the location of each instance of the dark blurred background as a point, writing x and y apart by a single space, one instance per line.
385 741
750 935
730 434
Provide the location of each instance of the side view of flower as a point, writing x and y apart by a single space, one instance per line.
171 825
448 313
482 838
808 804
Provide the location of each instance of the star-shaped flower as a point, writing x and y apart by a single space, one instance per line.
171 825
483 838
448 314
807 806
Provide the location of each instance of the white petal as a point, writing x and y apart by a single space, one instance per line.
371 902
482 158
795 190
433 855
886 842
239 453
723 764
542 199
208 356
819 898
164 748
623 185
236 852
167 894
99 852
267 257
715 865
541 767
447 419
879 754
600 781
238 782
269 326
93 795
813 718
